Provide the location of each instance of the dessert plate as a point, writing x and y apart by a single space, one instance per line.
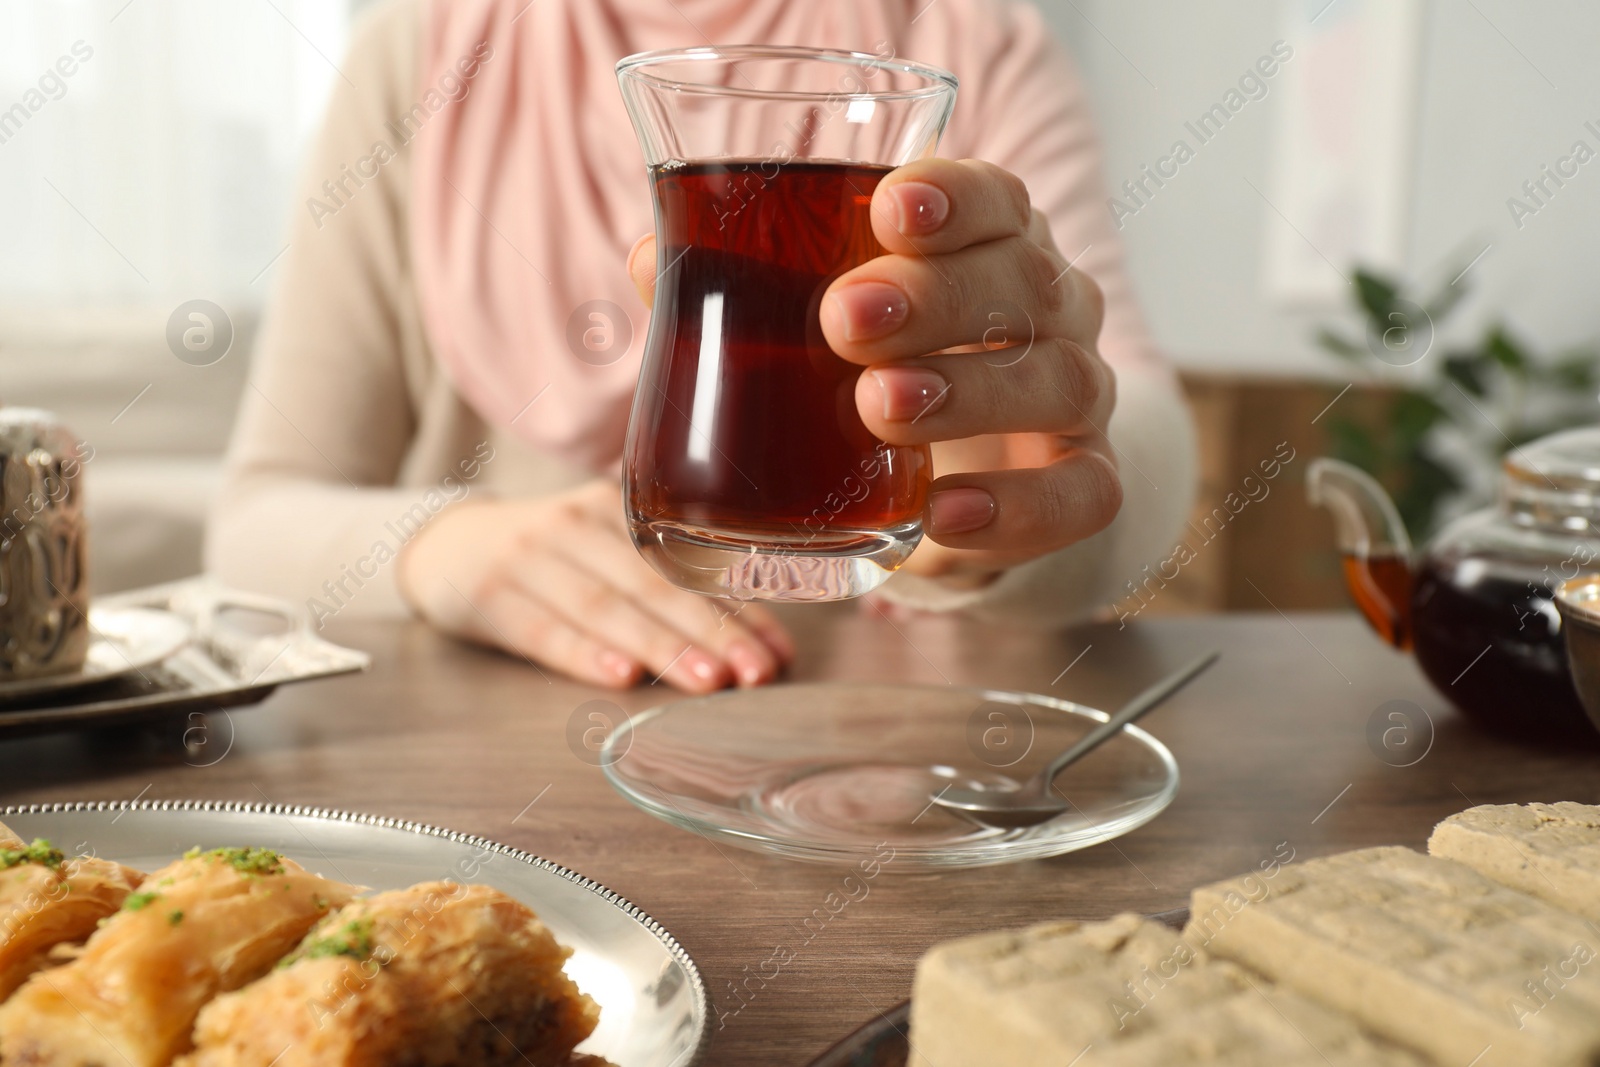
842 772
652 1000
121 641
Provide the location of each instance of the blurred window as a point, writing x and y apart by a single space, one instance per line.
148 147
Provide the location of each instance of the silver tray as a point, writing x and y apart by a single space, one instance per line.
654 1011
243 647
121 641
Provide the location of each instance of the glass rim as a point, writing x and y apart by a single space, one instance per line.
634 67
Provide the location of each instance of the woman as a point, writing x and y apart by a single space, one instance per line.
420 436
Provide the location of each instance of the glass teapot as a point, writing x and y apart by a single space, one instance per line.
1475 604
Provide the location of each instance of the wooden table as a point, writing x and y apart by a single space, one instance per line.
1273 744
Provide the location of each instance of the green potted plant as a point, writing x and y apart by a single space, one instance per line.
1456 409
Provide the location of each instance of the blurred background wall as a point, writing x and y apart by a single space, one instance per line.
1503 87
159 172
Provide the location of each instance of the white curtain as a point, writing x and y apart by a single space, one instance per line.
147 147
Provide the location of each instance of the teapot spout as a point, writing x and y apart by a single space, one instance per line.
1373 545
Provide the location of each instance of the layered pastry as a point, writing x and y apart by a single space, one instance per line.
430 976
210 923
49 901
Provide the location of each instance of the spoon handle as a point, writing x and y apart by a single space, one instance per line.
1135 708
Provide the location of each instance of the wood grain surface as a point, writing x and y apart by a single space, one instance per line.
1274 745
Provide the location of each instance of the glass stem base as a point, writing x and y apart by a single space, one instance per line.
736 565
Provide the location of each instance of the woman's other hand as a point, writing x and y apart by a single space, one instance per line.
558 581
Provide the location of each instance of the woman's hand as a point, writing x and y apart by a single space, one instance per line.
556 580
1024 464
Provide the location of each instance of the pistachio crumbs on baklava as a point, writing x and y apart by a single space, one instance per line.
211 922
437 974
49 901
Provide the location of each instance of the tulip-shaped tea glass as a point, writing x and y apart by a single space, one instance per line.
748 472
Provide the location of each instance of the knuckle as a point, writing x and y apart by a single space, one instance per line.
1108 389
676 604
536 635
1102 491
1093 298
1013 190
496 580
707 630
1017 198
1081 498
1104 487
593 600
563 514
1080 375
955 298
1040 271
1050 510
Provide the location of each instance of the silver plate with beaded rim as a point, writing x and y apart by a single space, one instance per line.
653 1000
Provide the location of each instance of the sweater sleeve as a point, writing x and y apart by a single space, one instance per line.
327 418
1022 106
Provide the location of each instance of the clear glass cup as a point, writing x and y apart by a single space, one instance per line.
748 473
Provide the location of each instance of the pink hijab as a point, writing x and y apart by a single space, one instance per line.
529 191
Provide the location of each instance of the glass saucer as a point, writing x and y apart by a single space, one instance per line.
844 772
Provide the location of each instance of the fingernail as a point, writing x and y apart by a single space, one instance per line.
955 511
748 664
617 665
922 208
910 392
703 666
871 309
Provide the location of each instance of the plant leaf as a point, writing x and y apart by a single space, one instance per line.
1427 483
1353 443
1467 371
1377 295
1505 351
1414 414
1579 372
1339 344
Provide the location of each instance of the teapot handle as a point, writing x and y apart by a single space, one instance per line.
1364 518
1373 542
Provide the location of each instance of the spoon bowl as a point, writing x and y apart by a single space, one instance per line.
1036 800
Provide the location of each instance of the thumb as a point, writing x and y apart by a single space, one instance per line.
642 268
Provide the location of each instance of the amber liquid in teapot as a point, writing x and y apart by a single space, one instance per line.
1486 633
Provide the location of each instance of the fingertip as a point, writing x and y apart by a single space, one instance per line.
618 671
915 208
698 671
642 268
960 510
871 399
751 665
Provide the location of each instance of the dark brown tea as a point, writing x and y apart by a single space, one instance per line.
746 423
1487 634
